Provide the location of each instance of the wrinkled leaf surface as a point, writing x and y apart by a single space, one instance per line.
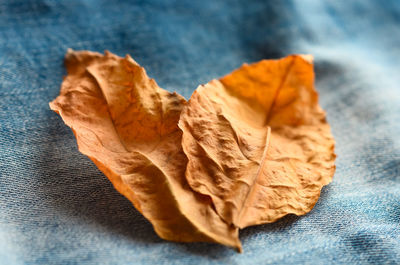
258 142
127 125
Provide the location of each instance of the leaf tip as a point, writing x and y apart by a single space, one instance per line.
307 57
239 248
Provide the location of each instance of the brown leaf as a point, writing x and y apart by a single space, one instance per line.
127 125
257 141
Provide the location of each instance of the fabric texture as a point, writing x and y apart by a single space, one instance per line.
56 207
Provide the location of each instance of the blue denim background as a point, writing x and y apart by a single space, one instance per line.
57 208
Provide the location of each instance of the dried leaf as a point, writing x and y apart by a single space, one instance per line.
257 141
127 125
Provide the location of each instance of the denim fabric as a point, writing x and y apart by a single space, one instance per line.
56 207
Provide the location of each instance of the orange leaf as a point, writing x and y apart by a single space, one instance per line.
127 125
257 141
